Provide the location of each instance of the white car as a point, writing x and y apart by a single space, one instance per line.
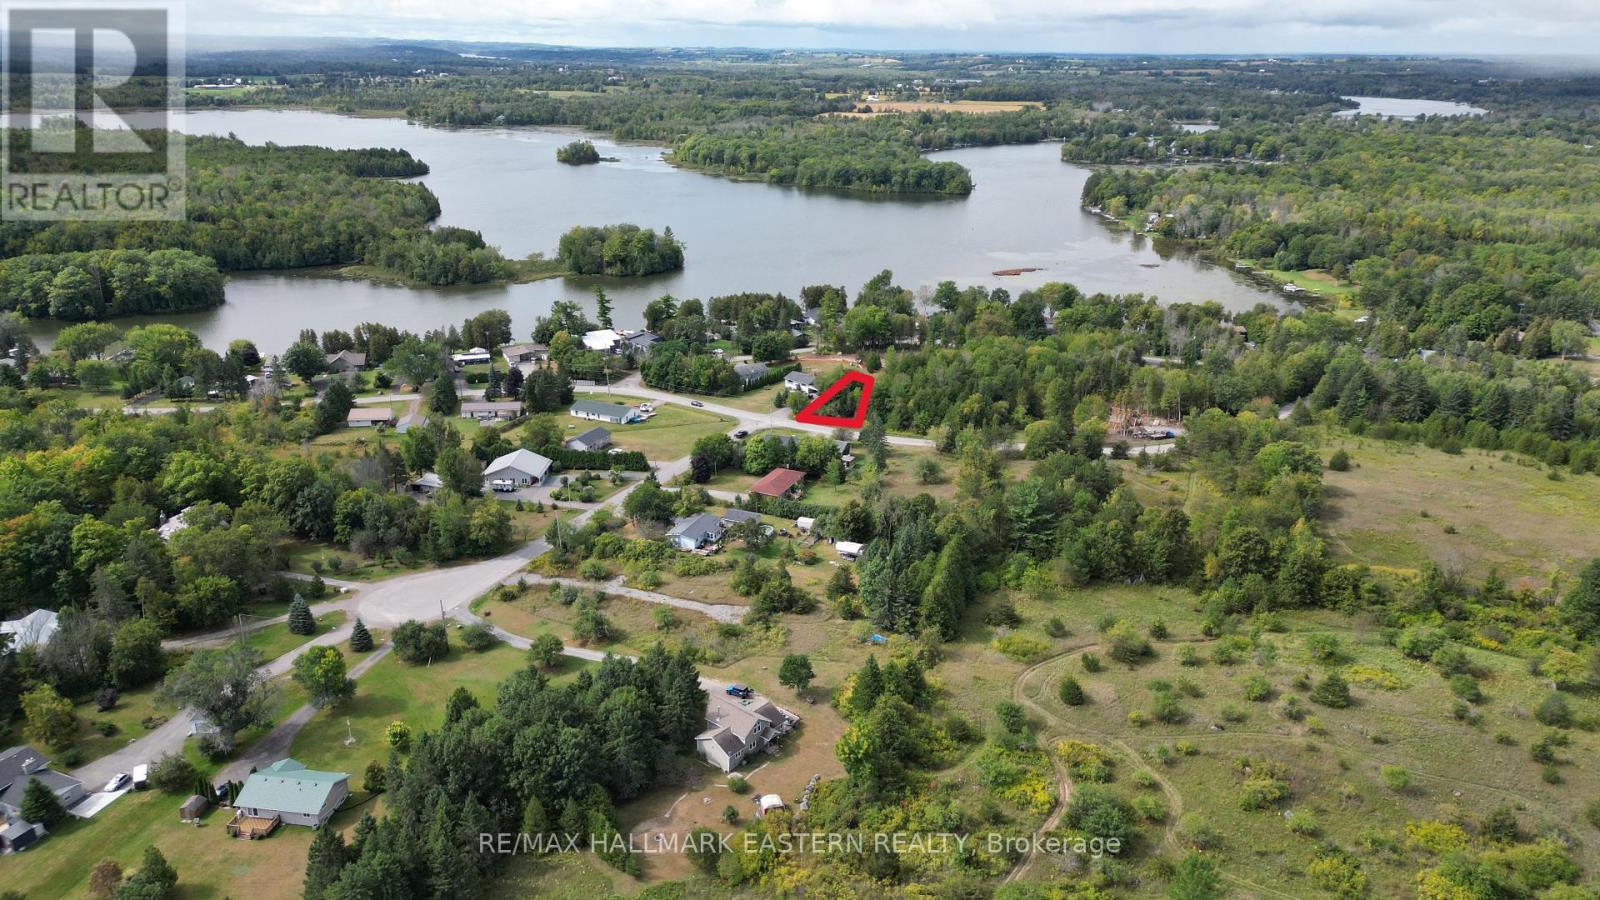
118 782
647 407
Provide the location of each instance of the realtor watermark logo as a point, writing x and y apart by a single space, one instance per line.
88 89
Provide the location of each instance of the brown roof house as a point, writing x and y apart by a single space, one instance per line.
779 483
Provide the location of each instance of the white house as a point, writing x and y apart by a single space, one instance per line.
801 381
602 340
173 525
477 356
738 729
32 630
369 416
596 411
695 532
848 549
519 466
291 793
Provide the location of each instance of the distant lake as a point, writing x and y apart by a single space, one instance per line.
1198 127
739 236
1400 108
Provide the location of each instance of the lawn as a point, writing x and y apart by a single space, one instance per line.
273 641
342 564
1404 504
669 434
397 691
210 864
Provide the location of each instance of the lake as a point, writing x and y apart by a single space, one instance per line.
739 236
1401 108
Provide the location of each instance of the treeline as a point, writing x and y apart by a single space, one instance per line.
544 760
850 157
102 283
619 250
273 207
1445 226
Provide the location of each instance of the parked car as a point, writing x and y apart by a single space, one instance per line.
696 403
741 434
647 407
503 485
740 691
118 782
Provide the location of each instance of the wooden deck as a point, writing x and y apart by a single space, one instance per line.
251 827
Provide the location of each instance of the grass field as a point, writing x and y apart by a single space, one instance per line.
275 640
669 434
1395 503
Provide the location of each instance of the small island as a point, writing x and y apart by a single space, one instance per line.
619 250
578 153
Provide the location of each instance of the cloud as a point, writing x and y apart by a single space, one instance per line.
1478 26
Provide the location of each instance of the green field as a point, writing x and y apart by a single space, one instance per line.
669 434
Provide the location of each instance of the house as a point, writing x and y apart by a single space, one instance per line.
738 729
596 411
750 373
427 483
491 410
288 792
173 525
23 764
640 342
778 483
596 438
32 630
733 516
369 416
521 467
849 549
695 532
603 340
18 835
515 354
801 381
476 356
410 421
346 361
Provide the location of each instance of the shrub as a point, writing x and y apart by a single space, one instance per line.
478 637
1091 663
376 780
1339 461
1071 692
417 643
594 570
1292 708
1158 629
1188 656
1127 646
1021 648
738 784
172 773
1055 627
1553 711
1164 707
1332 691
1100 814
1323 648
1150 808
1338 874
1002 615
1089 763
1466 687
398 734
1397 778
1420 641
1257 689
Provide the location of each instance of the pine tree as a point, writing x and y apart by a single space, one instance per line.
535 821
324 861
40 805
1332 691
442 397
868 687
602 307
1071 692
360 637
300 618
459 702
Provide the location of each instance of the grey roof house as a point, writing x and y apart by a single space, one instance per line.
738 729
32 630
520 466
20 765
596 438
346 361
694 532
801 381
596 411
751 372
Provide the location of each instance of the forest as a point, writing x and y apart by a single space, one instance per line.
99 284
619 250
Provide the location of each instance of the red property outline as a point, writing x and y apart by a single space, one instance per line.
809 415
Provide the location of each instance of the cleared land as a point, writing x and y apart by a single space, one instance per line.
669 434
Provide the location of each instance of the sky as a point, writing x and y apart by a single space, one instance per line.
1478 27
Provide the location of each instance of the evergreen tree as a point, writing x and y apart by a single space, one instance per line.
40 805
360 637
602 307
1580 608
460 701
324 860
867 689
1332 691
300 619
1071 692
535 821
442 397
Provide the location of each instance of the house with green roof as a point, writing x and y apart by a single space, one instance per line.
291 793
